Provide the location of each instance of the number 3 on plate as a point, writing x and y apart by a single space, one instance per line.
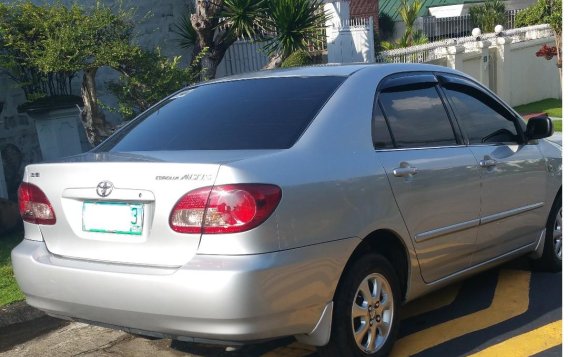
134 215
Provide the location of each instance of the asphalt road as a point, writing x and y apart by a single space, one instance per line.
509 311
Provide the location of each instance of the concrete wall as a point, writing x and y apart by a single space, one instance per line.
532 78
511 70
471 65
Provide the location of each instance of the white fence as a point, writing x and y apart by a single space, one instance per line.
243 56
351 41
504 62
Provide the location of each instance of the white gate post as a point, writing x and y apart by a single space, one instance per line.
503 64
454 55
371 36
484 65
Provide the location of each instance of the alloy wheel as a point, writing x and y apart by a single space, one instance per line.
372 313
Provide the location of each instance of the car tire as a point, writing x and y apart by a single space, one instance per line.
373 333
551 259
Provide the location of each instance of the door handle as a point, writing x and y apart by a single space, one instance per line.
405 171
487 163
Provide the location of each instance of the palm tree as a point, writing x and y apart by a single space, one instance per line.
409 13
286 26
216 25
293 25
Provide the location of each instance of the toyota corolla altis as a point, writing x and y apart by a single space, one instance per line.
308 202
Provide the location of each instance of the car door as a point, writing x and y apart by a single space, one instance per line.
433 175
513 173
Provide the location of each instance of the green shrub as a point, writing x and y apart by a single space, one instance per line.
488 15
298 59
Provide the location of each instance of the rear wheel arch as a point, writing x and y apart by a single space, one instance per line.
388 244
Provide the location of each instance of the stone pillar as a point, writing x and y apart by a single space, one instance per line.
503 70
58 132
454 56
484 63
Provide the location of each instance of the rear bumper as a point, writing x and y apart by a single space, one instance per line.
227 298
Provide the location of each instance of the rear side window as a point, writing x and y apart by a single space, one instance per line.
417 118
267 113
479 117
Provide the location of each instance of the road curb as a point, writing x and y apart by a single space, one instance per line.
17 313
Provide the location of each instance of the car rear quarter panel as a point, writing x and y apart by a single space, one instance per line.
333 188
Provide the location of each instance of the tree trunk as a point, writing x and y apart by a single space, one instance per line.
558 38
96 126
204 21
209 64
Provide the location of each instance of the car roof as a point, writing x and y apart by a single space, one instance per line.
380 70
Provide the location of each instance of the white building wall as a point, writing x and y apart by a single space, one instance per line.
532 78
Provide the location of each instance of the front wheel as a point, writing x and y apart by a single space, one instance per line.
551 259
366 310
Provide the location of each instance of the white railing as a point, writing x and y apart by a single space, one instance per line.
352 22
436 50
529 33
438 28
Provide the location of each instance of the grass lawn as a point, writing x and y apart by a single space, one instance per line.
557 125
553 107
9 291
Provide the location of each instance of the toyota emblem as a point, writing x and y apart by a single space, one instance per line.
104 188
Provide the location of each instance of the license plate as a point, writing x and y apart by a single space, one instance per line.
113 217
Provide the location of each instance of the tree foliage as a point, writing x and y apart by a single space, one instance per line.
386 26
542 12
488 15
286 26
60 40
293 25
148 77
545 12
21 36
409 13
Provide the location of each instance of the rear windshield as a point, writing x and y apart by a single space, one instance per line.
267 113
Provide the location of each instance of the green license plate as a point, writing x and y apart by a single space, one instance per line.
113 217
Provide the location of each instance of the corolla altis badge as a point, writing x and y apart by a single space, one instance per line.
104 188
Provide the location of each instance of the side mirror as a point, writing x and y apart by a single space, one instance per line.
539 128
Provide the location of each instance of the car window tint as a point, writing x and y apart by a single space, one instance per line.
267 113
381 135
479 118
417 118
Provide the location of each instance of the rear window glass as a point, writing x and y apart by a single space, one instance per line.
267 113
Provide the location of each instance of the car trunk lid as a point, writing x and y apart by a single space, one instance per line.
116 207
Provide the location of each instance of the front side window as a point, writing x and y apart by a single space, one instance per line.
265 113
483 119
417 118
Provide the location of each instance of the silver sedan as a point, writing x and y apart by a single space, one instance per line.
310 202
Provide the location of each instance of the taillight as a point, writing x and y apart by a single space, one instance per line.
224 209
34 205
